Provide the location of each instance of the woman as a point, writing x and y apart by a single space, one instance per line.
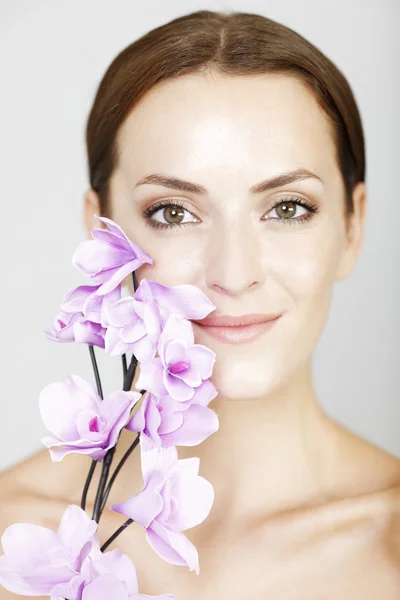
231 150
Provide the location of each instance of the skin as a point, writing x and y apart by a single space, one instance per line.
286 475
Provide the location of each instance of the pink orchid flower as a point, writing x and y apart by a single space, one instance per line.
36 559
174 498
113 575
133 327
80 420
82 317
67 564
170 423
85 299
181 365
75 327
185 300
135 323
109 257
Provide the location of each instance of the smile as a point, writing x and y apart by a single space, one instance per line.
238 334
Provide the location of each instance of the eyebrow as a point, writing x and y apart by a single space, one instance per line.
175 183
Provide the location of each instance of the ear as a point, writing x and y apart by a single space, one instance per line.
355 225
91 207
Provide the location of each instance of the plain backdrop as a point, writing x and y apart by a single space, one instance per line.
53 54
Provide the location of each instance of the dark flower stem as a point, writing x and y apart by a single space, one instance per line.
116 534
94 462
87 484
117 470
96 371
108 457
103 481
135 282
130 374
124 365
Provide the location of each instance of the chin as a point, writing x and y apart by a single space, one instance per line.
247 381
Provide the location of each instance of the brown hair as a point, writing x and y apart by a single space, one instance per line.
230 44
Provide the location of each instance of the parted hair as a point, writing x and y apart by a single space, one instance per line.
230 44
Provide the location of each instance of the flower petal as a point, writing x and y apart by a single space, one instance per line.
203 358
145 506
105 587
26 543
76 528
205 393
151 377
138 422
194 494
122 312
170 421
75 298
186 301
174 547
113 344
118 276
155 459
60 402
120 565
176 387
176 328
198 423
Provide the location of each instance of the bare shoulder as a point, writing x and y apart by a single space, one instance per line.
365 468
377 494
391 524
22 501
38 491
22 497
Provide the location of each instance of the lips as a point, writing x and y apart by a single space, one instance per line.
236 321
238 334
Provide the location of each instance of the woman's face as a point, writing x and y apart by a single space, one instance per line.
227 135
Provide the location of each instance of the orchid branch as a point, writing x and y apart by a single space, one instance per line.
174 411
102 484
96 371
116 534
117 470
87 484
124 365
94 462
129 374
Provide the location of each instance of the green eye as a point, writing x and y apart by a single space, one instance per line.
174 212
288 208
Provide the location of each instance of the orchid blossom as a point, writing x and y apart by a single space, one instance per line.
154 325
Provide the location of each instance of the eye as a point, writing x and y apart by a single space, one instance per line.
287 210
171 214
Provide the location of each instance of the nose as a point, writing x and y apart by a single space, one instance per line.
234 263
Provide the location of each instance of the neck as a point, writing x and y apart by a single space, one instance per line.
269 454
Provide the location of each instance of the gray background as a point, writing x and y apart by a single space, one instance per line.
53 54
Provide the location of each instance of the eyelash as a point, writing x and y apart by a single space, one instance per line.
312 209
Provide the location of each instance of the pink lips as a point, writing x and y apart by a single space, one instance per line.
237 330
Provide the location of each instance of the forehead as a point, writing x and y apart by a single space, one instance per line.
215 125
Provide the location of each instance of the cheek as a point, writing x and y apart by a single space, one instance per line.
308 277
176 261
309 269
